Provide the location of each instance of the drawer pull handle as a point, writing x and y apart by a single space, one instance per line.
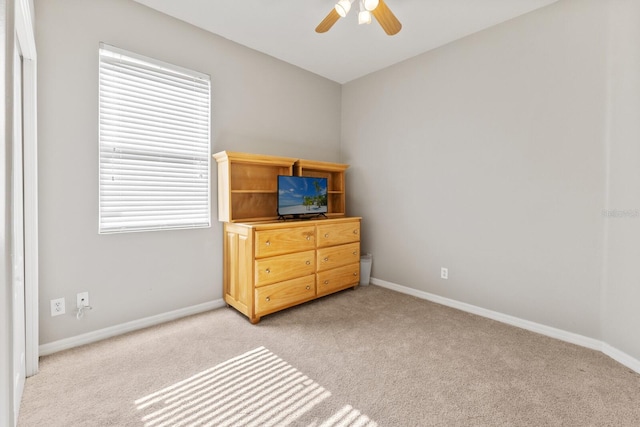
268 243
308 287
326 282
326 235
355 274
355 231
268 299
355 252
326 259
268 270
308 237
308 262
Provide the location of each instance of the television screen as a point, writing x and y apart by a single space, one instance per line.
301 195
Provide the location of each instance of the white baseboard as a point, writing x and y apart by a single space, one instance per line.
621 357
112 331
614 353
549 331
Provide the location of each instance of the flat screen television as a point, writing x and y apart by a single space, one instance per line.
301 195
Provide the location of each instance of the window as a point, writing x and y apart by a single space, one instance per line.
154 144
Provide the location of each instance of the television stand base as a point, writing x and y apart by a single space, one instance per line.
300 217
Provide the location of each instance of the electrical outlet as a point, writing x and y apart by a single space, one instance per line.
82 299
444 273
57 307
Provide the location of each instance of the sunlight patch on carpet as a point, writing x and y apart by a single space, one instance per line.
256 388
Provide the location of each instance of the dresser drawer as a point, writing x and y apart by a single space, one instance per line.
284 240
337 234
284 294
337 256
284 267
338 278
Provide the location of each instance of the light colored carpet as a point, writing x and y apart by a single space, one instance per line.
369 357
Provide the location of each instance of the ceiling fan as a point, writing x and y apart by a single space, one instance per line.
377 8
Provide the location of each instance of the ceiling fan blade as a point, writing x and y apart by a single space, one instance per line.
328 21
386 19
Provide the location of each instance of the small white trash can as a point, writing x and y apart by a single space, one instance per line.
365 269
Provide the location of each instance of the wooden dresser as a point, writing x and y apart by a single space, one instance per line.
275 265
270 265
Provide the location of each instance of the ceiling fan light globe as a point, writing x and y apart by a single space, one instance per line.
371 4
343 7
364 17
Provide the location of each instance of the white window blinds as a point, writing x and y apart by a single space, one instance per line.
154 144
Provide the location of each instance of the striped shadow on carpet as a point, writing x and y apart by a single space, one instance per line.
256 388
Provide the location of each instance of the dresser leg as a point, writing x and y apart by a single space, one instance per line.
254 320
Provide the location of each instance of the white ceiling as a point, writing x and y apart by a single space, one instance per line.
284 29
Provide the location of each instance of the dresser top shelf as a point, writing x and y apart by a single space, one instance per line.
248 184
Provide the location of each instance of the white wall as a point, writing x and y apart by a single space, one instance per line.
486 156
621 293
259 105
